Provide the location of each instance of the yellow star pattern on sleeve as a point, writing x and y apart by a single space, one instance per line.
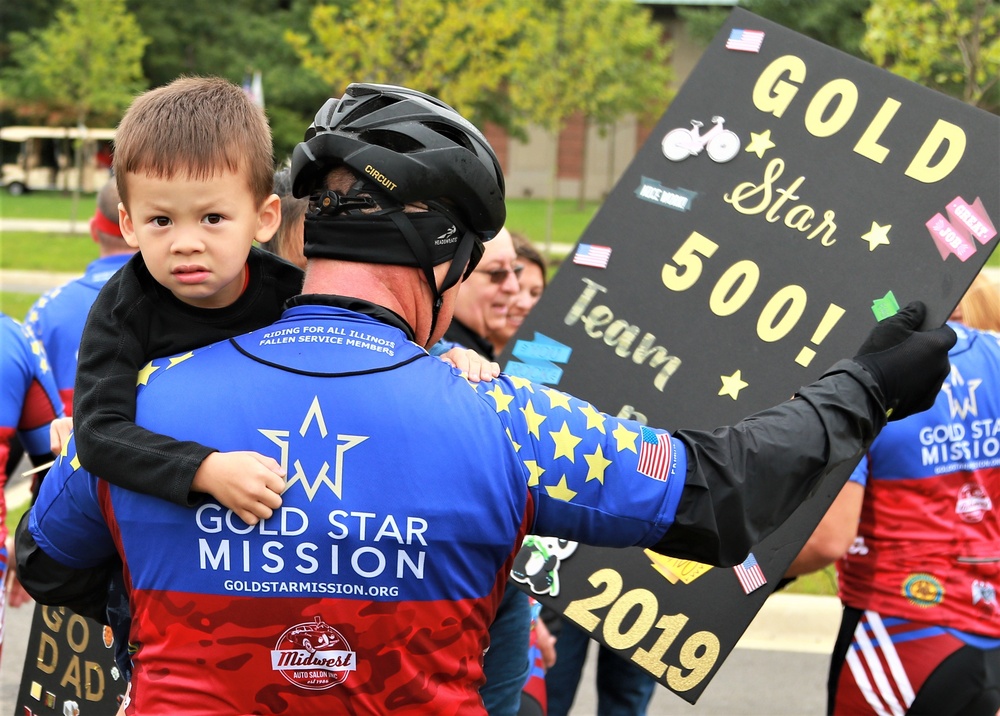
145 373
565 442
179 359
594 418
626 438
561 491
517 445
533 419
522 383
500 398
75 462
597 464
557 399
534 471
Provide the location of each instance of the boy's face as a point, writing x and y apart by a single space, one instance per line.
195 234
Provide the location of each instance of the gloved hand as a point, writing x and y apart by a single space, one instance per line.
908 364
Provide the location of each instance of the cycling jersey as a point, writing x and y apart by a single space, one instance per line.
372 588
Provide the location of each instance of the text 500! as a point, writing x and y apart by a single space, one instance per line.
734 288
697 654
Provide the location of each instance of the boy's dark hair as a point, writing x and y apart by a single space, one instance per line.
196 126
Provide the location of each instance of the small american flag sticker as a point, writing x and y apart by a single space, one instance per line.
745 40
592 255
749 574
655 455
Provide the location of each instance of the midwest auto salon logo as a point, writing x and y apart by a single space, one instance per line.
313 655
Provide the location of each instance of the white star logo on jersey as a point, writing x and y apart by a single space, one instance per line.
961 406
315 420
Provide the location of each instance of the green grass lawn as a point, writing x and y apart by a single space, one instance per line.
16 305
47 205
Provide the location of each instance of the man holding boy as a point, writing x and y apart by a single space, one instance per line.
372 588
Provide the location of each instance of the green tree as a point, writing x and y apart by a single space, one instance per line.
459 50
949 45
82 68
570 66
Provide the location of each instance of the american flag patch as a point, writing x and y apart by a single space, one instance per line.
655 454
592 255
749 574
745 40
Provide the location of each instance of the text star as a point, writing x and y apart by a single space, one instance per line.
877 236
533 419
565 442
733 384
500 398
534 472
760 143
597 464
594 418
557 399
561 491
145 373
626 438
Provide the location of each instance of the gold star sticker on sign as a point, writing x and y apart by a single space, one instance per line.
733 384
877 236
626 438
760 143
565 442
597 464
500 398
145 373
594 418
560 491
557 399
533 419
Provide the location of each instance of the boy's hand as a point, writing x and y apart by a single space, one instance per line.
59 430
472 365
248 483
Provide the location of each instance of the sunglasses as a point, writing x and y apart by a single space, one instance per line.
498 276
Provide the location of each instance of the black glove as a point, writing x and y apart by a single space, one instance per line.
908 364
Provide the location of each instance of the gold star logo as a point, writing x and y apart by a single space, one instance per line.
557 399
500 398
561 491
594 418
760 143
565 442
314 419
145 373
533 419
596 464
733 384
877 236
626 438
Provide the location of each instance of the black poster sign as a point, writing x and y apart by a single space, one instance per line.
790 197
69 667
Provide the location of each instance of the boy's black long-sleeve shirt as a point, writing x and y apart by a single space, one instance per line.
134 320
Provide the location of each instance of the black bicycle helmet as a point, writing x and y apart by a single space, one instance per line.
405 147
411 146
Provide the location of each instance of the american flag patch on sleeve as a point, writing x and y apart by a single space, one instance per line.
655 455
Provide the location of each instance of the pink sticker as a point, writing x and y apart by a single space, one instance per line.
973 217
948 240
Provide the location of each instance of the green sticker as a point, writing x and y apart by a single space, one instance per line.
885 307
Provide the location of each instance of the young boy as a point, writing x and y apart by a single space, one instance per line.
194 168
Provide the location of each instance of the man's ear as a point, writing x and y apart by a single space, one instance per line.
268 219
128 230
